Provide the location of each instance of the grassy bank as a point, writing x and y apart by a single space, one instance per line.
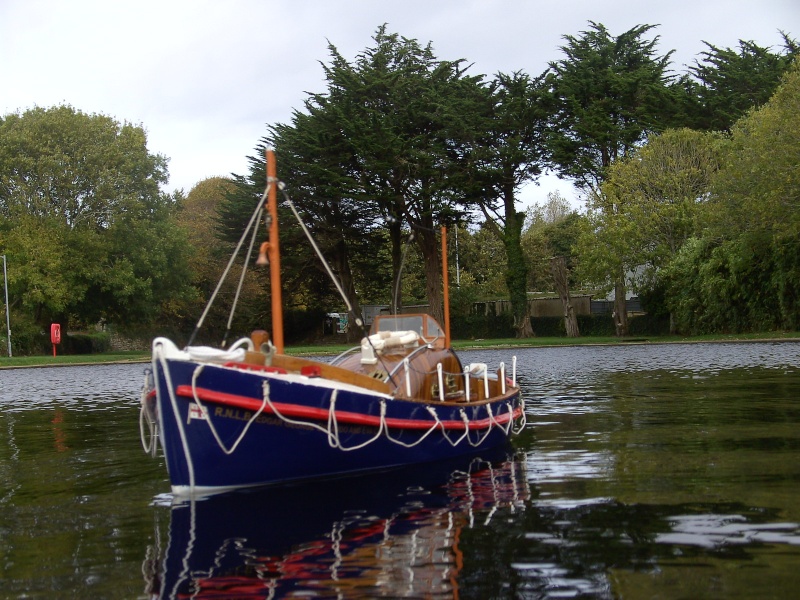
73 359
124 357
582 341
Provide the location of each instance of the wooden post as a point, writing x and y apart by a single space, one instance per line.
274 254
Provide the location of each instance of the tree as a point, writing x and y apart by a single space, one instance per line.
558 269
607 251
536 238
742 272
305 284
82 170
513 154
758 185
82 215
319 168
660 189
550 239
605 97
386 145
727 83
478 249
410 119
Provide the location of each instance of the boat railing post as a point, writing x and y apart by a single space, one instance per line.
439 374
514 371
503 377
407 367
486 383
466 382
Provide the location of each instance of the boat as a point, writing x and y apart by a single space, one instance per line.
251 415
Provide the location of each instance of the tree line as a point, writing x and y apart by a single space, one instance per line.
690 182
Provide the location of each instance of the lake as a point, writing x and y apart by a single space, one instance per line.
668 471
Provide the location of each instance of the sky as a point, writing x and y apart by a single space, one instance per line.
205 78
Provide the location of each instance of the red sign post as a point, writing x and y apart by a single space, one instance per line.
55 335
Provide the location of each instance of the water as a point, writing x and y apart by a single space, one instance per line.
669 471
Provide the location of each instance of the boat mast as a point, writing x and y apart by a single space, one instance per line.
274 253
446 286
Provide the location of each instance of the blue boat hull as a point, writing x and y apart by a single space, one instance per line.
222 427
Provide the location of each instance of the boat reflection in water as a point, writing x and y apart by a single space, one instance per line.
391 534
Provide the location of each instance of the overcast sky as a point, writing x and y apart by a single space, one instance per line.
206 77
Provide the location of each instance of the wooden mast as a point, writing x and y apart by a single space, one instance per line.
446 285
274 253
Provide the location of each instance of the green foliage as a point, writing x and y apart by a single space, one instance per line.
759 182
728 83
605 96
384 149
751 283
605 245
703 225
408 119
85 343
660 190
88 235
511 153
27 336
81 170
553 230
481 264
742 273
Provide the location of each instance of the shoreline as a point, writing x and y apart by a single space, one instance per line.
458 345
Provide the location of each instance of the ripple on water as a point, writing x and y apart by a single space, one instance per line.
85 388
713 531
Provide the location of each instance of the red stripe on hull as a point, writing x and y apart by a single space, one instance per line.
321 414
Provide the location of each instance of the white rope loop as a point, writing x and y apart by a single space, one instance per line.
146 418
523 420
480 440
333 427
220 443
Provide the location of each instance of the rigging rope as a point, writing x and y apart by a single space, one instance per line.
241 278
281 187
253 219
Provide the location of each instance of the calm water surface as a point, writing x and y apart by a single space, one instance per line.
654 471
